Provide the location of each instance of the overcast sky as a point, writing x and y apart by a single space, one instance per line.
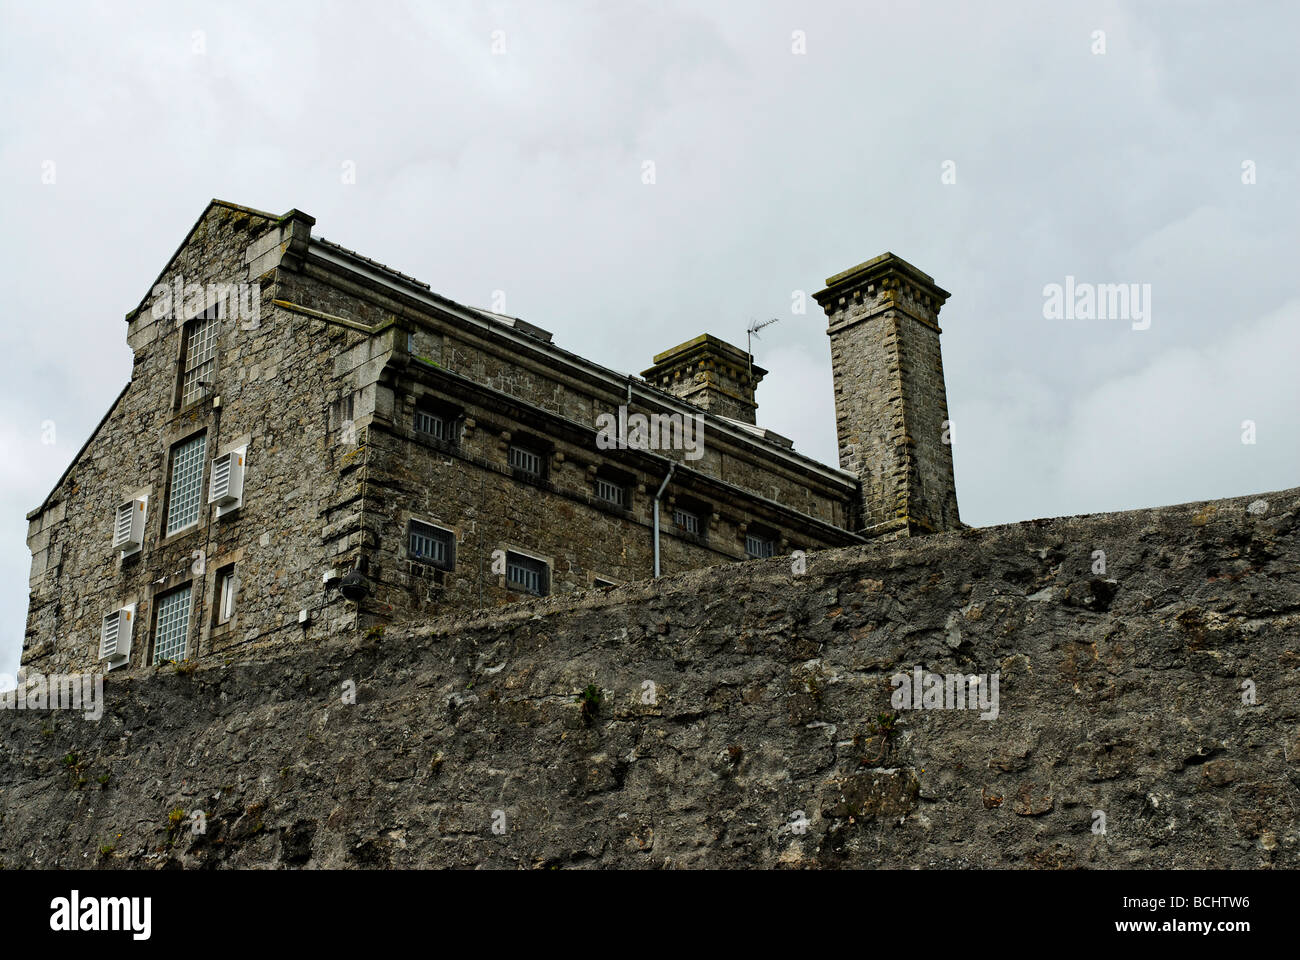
497 146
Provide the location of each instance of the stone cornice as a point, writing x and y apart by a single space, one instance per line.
888 278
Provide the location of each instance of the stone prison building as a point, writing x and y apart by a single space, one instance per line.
312 443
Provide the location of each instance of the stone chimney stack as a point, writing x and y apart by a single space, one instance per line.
713 375
891 407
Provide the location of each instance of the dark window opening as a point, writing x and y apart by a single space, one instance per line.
526 460
612 492
759 545
527 574
431 424
686 521
429 544
227 586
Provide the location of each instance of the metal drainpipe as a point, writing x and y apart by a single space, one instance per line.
663 486
482 500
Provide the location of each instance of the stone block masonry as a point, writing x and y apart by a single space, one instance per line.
734 716
891 405
375 424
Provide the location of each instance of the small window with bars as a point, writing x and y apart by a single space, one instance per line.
172 629
199 355
429 544
185 497
525 460
759 546
527 574
686 521
434 425
611 492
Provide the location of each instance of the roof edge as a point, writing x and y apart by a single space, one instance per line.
270 217
33 514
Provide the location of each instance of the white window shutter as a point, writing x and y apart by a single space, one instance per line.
128 526
226 488
115 636
109 634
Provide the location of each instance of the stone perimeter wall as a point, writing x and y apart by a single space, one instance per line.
1119 692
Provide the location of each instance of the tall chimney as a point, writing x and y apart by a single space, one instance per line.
712 374
891 407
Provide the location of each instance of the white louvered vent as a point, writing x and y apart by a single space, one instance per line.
226 488
128 526
115 636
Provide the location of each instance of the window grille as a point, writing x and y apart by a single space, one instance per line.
526 574
200 357
173 628
432 425
186 497
687 521
611 492
431 544
526 461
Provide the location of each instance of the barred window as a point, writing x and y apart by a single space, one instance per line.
758 546
200 356
431 544
525 460
173 625
432 424
527 574
186 497
686 521
611 492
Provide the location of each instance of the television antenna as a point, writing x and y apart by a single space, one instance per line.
751 333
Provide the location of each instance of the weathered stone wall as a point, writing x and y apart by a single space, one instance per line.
468 488
320 391
442 342
272 377
1120 692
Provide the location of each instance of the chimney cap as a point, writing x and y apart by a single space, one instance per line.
711 374
704 345
874 268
